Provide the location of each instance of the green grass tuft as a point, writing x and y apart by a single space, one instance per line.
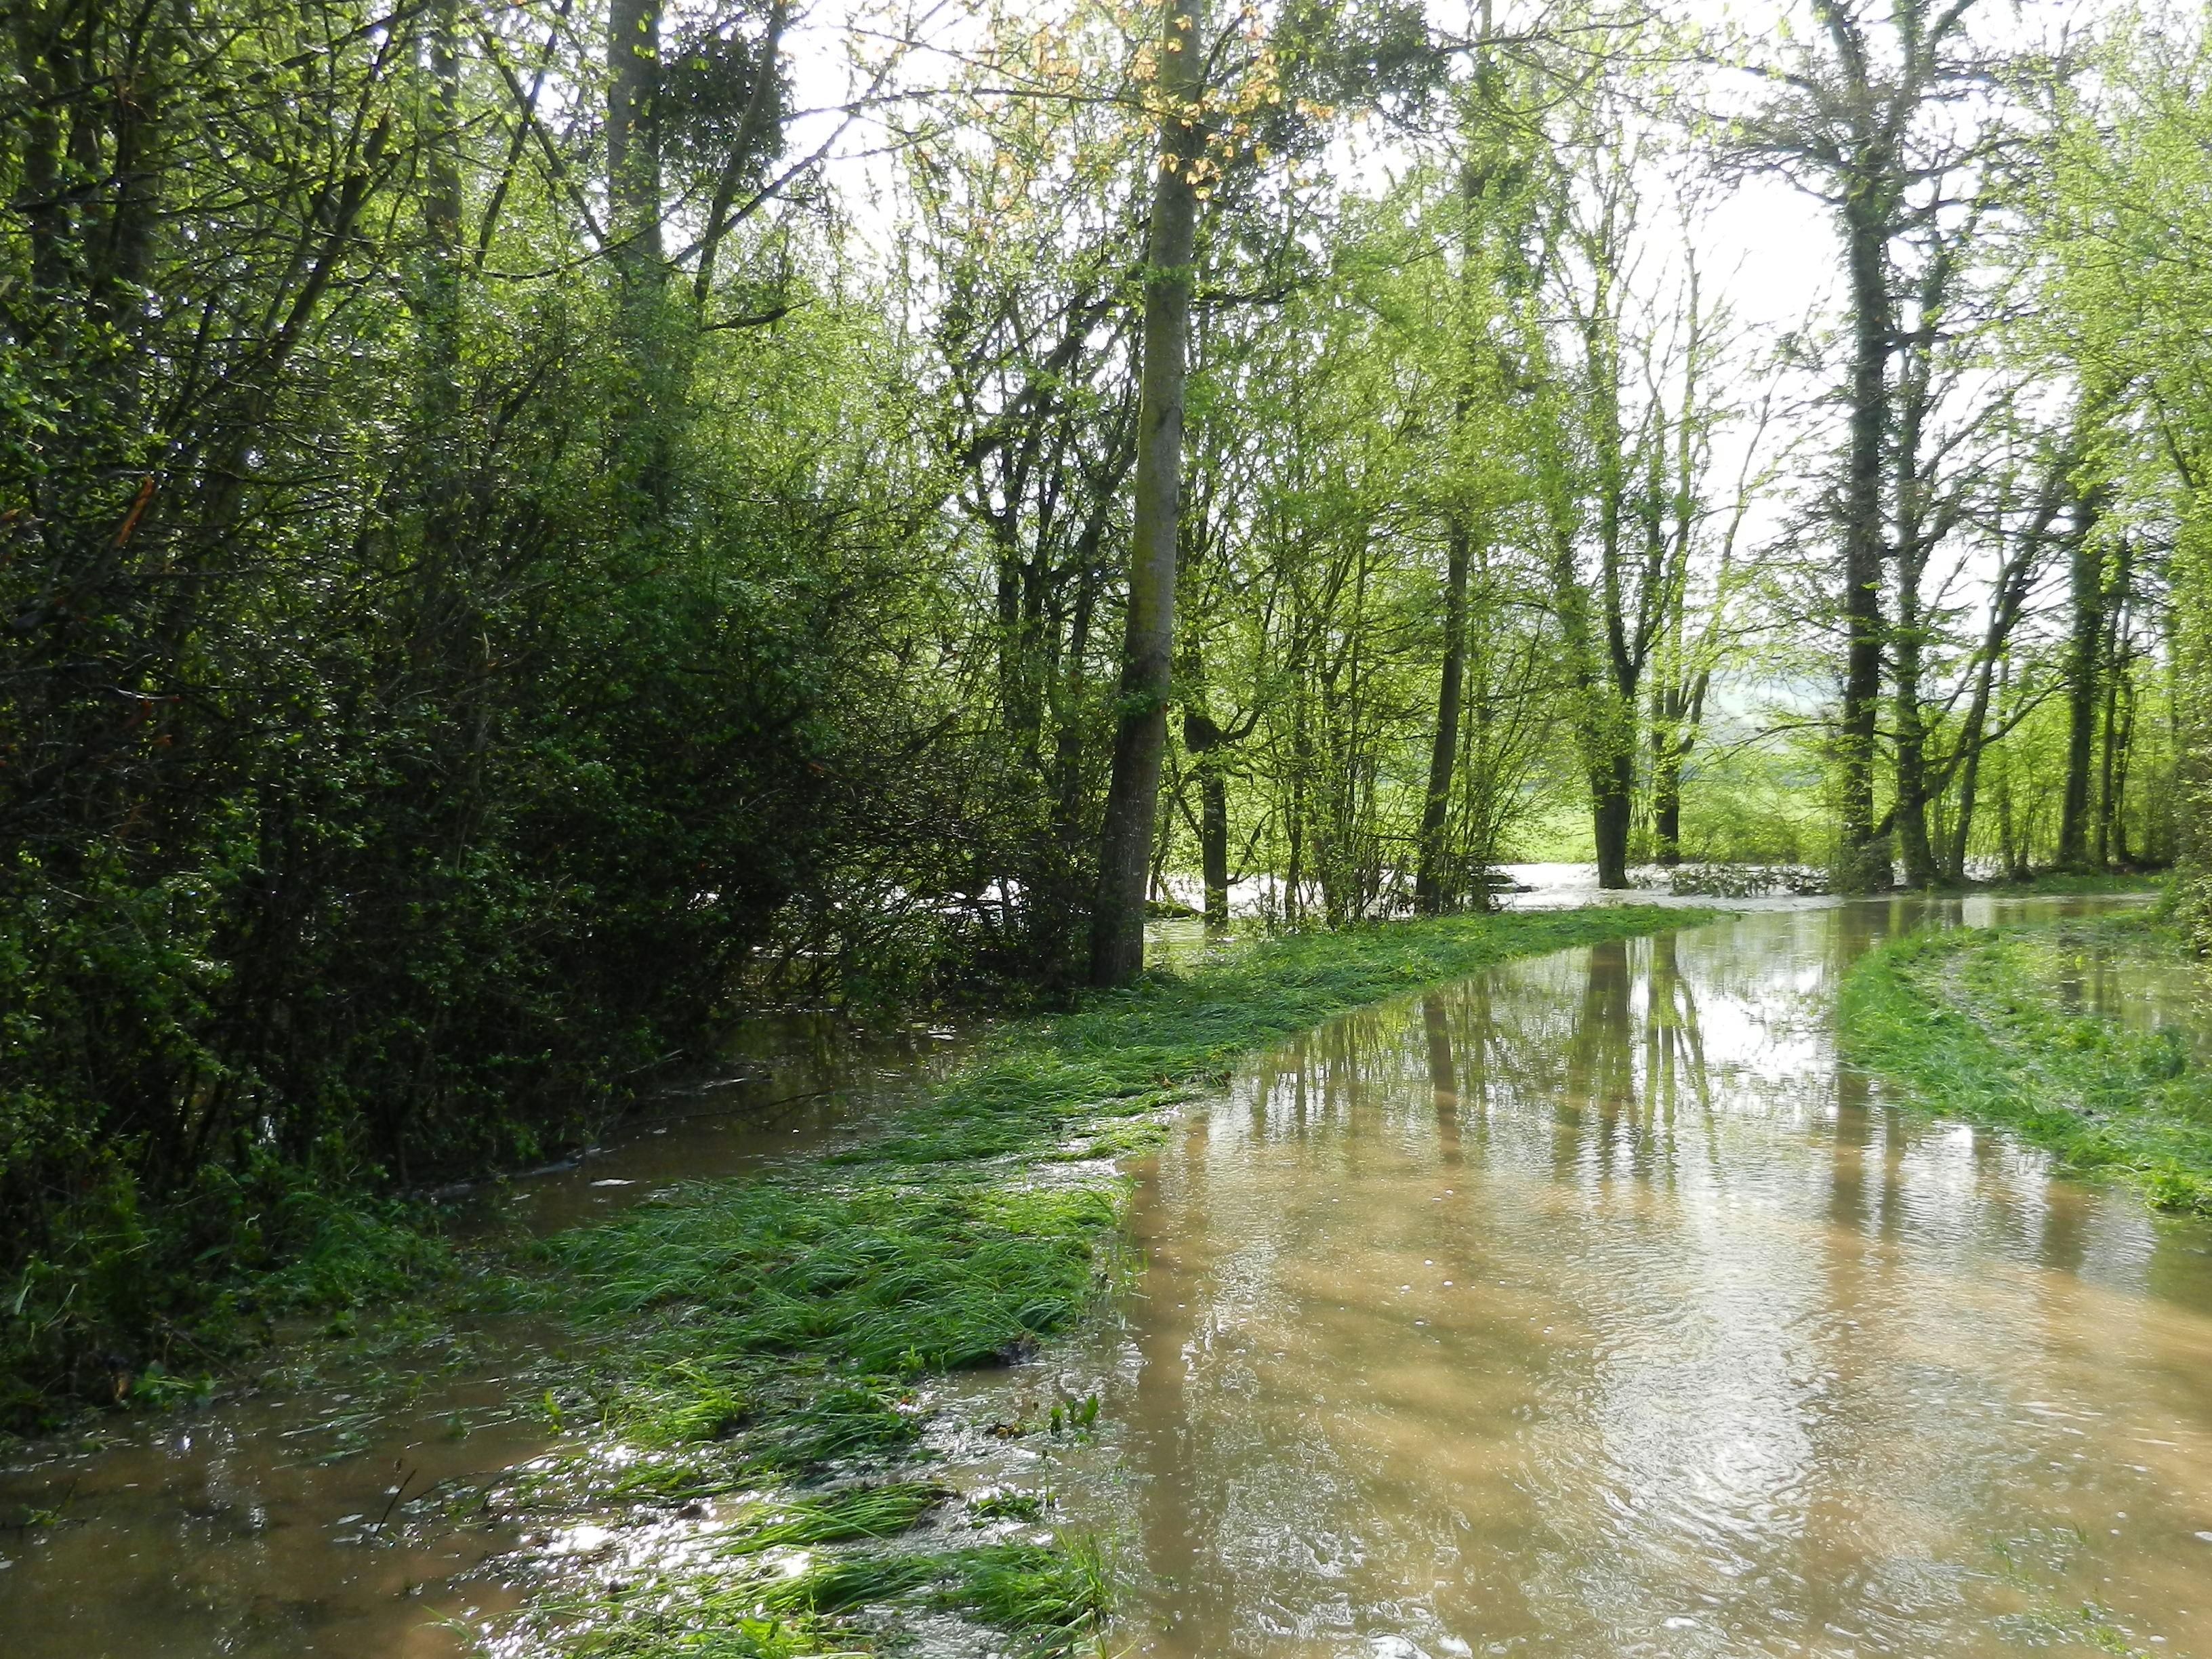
1050 1596
1972 1023
2091 881
880 1511
842 1582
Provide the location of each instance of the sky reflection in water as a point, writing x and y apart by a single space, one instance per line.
1590 1308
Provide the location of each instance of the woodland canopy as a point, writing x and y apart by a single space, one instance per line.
525 527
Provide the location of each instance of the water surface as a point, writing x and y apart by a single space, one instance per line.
1591 1308
1586 1308
289 1520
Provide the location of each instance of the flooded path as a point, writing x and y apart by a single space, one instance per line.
1585 1308
1588 1308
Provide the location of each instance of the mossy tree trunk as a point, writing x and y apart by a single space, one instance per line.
1117 937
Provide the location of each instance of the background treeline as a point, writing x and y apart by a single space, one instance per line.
523 527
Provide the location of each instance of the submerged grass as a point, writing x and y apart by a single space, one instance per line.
881 1512
1978 1024
774 1329
1048 1597
788 1312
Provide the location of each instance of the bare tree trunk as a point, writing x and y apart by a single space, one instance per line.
1912 791
1294 872
2084 647
1613 790
2116 792
1429 897
2115 607
1672 737
1864 864
1430 894
1667 806
2013 579
1213 840
1117 922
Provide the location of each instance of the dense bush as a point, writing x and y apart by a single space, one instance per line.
425 690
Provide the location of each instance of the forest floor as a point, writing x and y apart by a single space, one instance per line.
2026 1028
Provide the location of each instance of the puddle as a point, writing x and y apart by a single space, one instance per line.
1589 1308
270 1526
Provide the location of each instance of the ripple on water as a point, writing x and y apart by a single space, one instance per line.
1735 1357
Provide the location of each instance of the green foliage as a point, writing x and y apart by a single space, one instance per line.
458 649
128 1298
2126 284
425 694
1975 1024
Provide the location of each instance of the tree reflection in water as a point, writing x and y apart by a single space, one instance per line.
1591 1306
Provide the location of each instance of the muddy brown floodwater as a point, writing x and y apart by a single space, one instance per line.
297 1521
1586 1308
1590 1308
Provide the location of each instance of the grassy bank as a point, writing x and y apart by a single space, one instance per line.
2085 882
768 1336
1976 1024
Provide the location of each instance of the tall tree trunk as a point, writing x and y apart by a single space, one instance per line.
1117 922
1864 864
634 137
2084 648
1612 803
1294 867
1430 894
1214 839
2116 612
1666 803
2116 790
1021 644
1678 715
1970 776
1913 791
1970 751
1908 640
